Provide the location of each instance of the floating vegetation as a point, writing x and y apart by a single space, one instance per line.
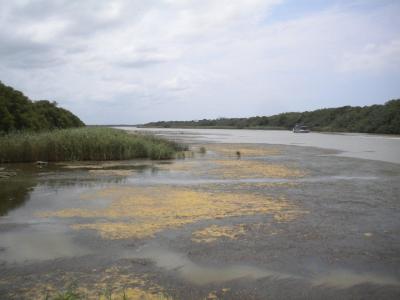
240 169
232 232
244 150
114 283
215 232
138 212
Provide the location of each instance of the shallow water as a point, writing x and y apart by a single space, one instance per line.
366 146
277 219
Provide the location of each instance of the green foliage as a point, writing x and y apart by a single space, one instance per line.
80 144
369 119
17 113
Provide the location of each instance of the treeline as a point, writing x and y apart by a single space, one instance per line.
368 119
18 112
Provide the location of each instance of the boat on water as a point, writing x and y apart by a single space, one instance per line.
298 128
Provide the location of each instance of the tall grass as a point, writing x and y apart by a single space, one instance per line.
80 144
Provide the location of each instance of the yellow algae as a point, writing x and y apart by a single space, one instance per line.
137 212
232 150
286 216
215 232
239 169
113 283
214 294
137 293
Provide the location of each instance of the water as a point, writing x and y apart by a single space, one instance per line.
366 146
293 212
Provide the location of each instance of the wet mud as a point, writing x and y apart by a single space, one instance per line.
224 221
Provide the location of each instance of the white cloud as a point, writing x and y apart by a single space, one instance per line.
372 57
210 58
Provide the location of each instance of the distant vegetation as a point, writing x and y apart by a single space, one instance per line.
80 144
369 119
18 112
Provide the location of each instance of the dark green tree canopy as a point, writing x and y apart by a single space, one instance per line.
369 119
18 112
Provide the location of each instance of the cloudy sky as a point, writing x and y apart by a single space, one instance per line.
134 61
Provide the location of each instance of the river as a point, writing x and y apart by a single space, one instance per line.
242 215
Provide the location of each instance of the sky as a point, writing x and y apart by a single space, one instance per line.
136 61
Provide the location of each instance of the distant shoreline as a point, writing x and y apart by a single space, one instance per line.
381 119
234 128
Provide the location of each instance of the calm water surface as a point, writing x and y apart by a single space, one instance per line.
324 222
366 146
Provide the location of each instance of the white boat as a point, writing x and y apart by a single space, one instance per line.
300 129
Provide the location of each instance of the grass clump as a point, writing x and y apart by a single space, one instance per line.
84 144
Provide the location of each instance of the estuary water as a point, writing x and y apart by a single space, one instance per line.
366 146
316 213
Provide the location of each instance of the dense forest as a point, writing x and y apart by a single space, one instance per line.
369 119
18 112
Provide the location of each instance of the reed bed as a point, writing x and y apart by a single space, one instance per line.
84 144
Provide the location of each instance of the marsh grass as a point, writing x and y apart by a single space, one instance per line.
84 144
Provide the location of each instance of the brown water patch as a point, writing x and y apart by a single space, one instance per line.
136 212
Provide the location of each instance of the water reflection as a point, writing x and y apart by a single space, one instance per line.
201 274
15 192
38 243
345 279
198 274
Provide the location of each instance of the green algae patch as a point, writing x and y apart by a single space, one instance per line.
138 212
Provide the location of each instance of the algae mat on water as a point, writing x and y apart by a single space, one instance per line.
137 212
116 283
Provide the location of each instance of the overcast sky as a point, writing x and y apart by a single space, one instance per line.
134 61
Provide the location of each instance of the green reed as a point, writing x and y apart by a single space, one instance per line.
83 144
